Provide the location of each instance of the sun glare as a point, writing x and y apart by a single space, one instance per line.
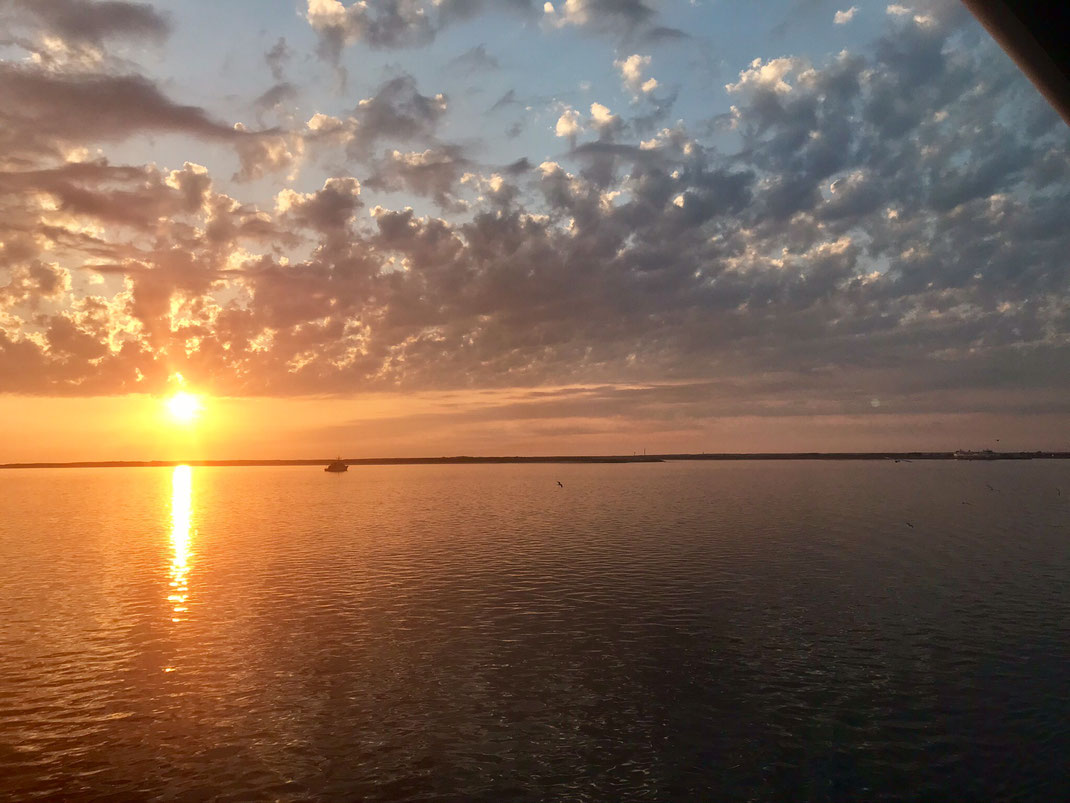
184 407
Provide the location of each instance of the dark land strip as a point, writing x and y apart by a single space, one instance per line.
652 458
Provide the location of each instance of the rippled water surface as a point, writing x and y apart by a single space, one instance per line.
678 631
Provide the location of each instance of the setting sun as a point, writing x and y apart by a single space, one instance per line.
184 407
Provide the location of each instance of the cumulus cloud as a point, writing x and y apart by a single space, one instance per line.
434 173
390 23
845 16
329 209
265 153
766 76
631 72
397 111
891 226
604 121
569 123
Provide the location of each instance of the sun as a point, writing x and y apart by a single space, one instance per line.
184 407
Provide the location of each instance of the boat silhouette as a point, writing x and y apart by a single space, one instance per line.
337 466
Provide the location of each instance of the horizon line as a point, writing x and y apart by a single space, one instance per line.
500 459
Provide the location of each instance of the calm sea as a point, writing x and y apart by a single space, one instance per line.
668 632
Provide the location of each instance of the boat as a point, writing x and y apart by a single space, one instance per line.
337 467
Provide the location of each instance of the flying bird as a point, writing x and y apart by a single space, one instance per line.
559 484
911 526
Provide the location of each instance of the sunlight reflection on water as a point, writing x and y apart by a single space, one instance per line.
181 513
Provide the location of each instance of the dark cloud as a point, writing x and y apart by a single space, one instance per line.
91 22
521 165
384 24
631 22
661 34
116 195
474 61
451 11
615 15
278 97
434 173
392 24
397 112
328 210
276 58
508 99
41 110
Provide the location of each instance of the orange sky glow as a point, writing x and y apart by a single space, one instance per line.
140 427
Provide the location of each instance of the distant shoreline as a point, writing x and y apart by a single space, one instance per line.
653 458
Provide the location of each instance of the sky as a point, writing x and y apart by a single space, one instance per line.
437 227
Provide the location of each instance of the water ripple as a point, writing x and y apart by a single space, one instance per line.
744 631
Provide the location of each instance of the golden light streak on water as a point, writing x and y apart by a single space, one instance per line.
181 512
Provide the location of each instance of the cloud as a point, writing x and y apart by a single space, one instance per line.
278 95
569 123
33 283
604 121
631 72
82 24
845 16
266 152
627 19
393 24
475 60
109 194
327 210
277 57
397 111
891 225
766 76
507 99
385 24
434 173
43 110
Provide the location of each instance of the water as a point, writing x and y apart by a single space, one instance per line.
683 631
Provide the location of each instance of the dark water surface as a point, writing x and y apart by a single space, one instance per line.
683 631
